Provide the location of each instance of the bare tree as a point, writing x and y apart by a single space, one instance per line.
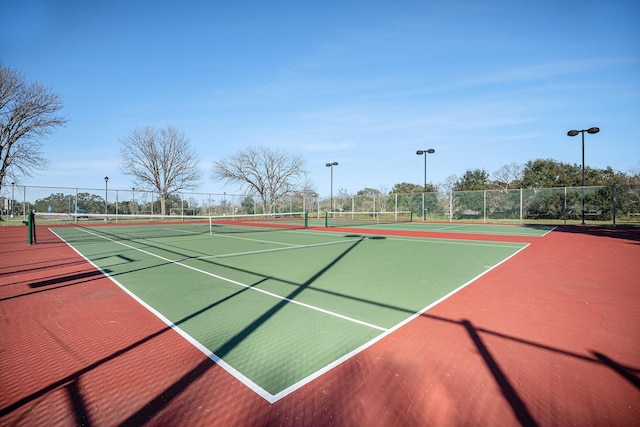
269 174
161 159
448 185
28 112
509 175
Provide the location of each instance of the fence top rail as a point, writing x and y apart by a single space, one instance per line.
110 190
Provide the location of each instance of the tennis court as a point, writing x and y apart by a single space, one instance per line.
276 307
268 323
406 221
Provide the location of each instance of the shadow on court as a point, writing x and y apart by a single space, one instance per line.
165 398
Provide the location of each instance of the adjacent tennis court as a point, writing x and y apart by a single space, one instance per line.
406 221
279 307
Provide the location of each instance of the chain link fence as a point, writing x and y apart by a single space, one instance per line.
615 204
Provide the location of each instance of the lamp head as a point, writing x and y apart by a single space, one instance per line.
593 130
331 164
573 133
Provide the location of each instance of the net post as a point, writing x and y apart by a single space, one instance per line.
306 220
326 219
31 224
410 216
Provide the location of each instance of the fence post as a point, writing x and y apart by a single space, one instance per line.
521 219
484 207
451 206
613 196
396 204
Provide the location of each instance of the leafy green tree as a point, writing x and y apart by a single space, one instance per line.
59 203
92 203
364 199
247 205
628 193
477 179
407 188
468 199
410 197
548 173
472 180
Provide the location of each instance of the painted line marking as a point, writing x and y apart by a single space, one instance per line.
235 282
273 398
262 251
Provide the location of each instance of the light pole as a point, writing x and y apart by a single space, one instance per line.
592 130
331 165
424 153
106 193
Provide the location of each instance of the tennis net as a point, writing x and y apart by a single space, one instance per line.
165 225
288 220
350 219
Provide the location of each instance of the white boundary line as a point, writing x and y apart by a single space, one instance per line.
378 338
262 251
462 226
235 282
269 397
224 365
549 231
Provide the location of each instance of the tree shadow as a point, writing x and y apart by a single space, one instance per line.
624 232
82 277
163 398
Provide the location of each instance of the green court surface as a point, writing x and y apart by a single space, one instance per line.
277 308
529 230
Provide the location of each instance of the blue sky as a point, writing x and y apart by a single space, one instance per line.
364 83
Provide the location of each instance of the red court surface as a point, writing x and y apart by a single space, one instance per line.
549 338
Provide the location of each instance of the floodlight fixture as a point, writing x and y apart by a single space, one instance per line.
424 153
106 196
331 165
573 132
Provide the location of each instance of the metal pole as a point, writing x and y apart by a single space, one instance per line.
574 132
331 165
582 177
106 196
331 188
424 194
